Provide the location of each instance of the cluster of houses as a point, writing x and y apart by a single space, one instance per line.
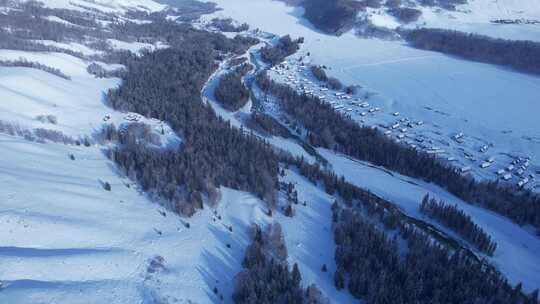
400 128
298 75
134 117
517 168
515 21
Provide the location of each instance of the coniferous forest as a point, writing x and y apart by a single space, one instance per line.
230 91
285 46
378 267
455 219
267 277
520 55
332 16
166 84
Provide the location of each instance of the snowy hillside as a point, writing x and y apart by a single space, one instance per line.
477 15
109 6
78 231
65 236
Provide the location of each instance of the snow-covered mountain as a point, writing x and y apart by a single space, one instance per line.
79 228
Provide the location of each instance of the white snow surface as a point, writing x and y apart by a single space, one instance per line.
476 15
108 6
67 240
76 47
77 103
135 47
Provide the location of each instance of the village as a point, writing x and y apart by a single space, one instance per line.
470 155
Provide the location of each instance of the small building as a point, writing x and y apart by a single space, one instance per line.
465 169
485 165
523 182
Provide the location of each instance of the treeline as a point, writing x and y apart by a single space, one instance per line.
329 129
100 72
408 267
188 10
35 65
446 4
7 41
459 222
28 21
266 125
266 278
520 55
175 35
283 48
226 25
230 91
320 74
332 16
40 135
166 85
405 14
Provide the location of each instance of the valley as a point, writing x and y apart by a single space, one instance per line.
126 177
